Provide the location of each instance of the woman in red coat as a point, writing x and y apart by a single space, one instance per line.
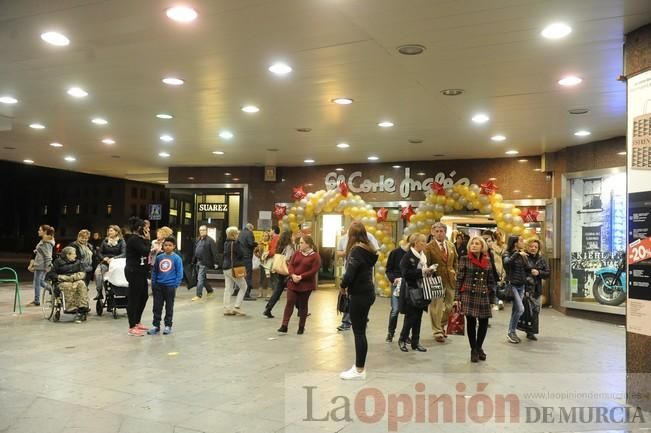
303 268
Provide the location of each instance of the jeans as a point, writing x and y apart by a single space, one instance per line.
163 295
248 264
202 279
393 316
360 305
518 307
345 321
229 283
39 278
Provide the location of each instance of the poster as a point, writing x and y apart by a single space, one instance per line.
638 274
597 237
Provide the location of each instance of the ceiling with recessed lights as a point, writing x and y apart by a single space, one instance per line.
226 83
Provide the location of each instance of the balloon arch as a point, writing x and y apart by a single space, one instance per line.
438 201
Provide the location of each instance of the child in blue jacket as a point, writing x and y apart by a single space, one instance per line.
166 276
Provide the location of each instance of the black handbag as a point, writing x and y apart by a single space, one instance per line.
416 297
504 292
343 303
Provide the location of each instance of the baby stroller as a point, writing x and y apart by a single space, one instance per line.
115 288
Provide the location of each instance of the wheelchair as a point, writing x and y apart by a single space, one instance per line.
53 302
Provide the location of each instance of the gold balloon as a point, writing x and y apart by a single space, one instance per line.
516 211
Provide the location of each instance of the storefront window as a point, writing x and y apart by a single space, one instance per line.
595 238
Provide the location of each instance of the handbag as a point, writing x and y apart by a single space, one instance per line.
416 298
504 292
255 262
343 303
432 287
30 266
456 325
279 265
238 271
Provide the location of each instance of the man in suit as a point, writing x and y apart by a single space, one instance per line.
442 252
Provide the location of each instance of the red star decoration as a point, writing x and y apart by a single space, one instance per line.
438 188
343 188
382 214
298 193
530 215
407 212
280 211
488 188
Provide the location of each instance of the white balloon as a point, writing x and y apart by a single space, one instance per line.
483 199
508 217
462 201
303 202
285 218
517 220
474 187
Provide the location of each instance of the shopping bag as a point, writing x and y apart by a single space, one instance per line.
255 262
529 320
456 325
279 265
432 287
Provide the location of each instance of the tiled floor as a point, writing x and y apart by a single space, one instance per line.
235 374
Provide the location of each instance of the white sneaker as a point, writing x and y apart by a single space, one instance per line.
353 374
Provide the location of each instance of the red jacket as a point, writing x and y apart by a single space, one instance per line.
272 245
305 266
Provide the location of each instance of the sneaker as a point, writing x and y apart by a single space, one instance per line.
267 314
34 304
352 374
196 298
142 327
167 330
153 330
500 305
238 312
135 332
78 318
343 327
512 338
515 334
229 313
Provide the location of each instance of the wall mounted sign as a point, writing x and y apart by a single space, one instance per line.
405 186
213 207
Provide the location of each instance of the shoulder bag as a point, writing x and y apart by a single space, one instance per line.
343 303
279 265
432 287
238 271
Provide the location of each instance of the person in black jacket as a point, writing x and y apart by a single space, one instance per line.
357 282
248 243
413 266
516 266
233 257
204 258
395 277
113 247
136 271
539 271
68 270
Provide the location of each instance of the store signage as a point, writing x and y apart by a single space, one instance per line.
213 207
358 184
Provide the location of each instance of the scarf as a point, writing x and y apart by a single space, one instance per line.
112 241
422 264
482 262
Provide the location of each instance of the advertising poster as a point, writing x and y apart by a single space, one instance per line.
597 238
639 209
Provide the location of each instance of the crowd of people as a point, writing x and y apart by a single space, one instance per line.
471 272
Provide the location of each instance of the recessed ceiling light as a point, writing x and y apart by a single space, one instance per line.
420 173
99 121
396 166
173 81
161 181
181 14
385 124
28 161
166 138
280 68
492 178
556 31
339 169
190 177
621 153
411 49
523 160
498 137
343 145
8 100
218 152
342 101
164 154
570 80
37 126
511 152
55 38
70 158
480 118
164 116
308 161
373 158
578 111
517 191
226 135
56 144
452 92
227 174
582 133
236 179
537 169
108 141
77 92
250 109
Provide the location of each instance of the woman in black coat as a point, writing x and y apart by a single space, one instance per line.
413 266
357 282
539 270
